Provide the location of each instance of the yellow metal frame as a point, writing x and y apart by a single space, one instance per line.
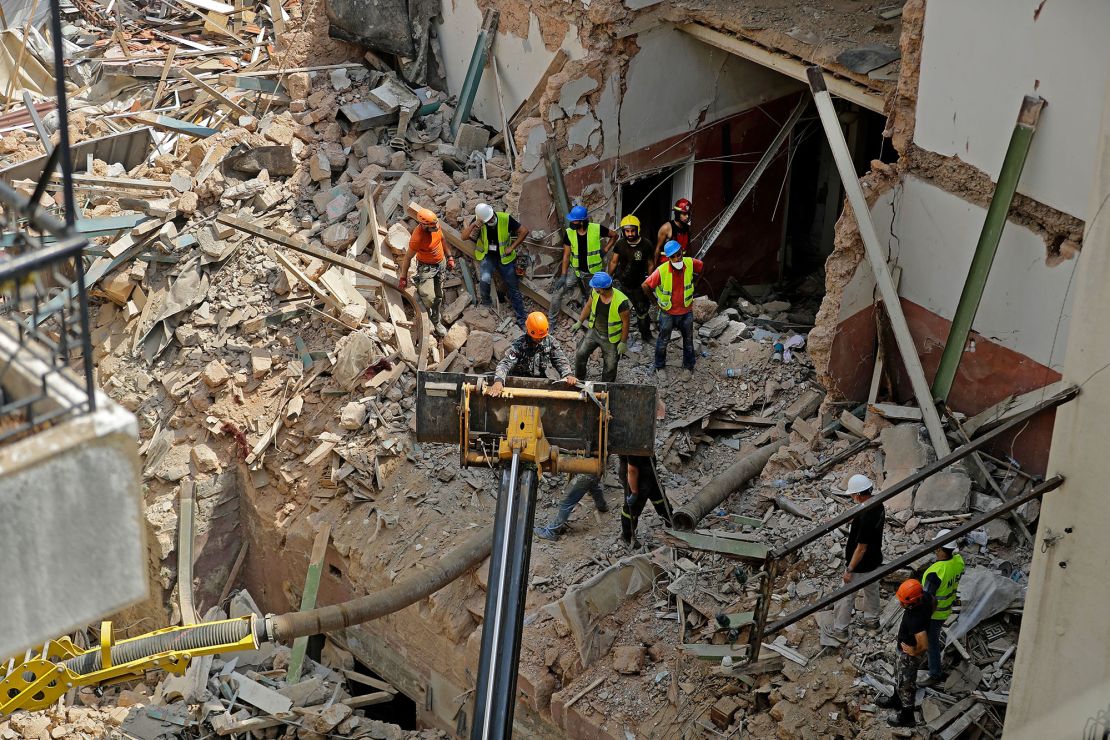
38 682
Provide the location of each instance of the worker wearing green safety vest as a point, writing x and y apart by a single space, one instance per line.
941 580
672 283
497 254
583 256
608 312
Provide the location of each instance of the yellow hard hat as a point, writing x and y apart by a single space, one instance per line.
630 221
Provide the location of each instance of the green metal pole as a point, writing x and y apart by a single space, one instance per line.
985 250
474 72
308 600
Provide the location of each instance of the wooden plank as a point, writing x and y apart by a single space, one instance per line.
965 721
713 652
894 412
308 599
368 681
724 546
175 126
313 288
211 5
593 685
397 318
162 78
224 726
215 93
851 422
1010 407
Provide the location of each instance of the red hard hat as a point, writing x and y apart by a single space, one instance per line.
683 205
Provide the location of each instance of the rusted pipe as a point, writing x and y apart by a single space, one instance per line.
407 591
718 489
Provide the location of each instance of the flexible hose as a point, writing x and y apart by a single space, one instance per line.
182 640
408 591
718 489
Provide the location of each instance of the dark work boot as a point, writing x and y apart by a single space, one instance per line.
904 718
889 702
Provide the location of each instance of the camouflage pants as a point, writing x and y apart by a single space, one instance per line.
906 686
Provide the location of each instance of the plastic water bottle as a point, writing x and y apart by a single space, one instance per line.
732 373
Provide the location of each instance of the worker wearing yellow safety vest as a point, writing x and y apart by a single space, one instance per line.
583 256
673 286
497 236
941 580
606 319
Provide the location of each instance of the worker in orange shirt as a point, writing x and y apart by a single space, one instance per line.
673 285
433 259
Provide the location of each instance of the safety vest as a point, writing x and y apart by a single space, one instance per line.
504 241
593 249
616 327
663 292
949 572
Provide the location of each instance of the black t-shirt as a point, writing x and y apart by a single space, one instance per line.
915 619
647 478
632 261
867 529
514 228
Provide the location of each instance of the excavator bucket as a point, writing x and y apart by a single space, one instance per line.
570 416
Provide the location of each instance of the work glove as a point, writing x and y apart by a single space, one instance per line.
622 347
402 282
450 263
576 326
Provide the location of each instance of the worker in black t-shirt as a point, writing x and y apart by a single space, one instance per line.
913 642
630 264
585 244
863 553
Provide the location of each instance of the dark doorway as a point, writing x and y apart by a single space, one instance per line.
649 199
401 711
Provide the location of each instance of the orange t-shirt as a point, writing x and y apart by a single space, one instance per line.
428 245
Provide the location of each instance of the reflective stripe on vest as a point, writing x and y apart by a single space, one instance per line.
504 241
616 326
663 292
949 572
593 249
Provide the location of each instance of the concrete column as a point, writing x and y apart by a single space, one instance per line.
1061 682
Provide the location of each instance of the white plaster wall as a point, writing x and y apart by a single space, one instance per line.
520 62
1026 304
978 60
674 77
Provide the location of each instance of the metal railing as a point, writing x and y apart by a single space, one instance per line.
46 365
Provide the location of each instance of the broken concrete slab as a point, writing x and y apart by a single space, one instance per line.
948 491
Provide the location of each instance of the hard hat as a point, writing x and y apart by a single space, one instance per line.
484 212
860 484
536 325
630 221
682 205
427 217
578 213
672 248
944 533
910 592
601 281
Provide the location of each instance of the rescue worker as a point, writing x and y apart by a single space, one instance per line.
433 259
941 580
575 491
863 553
630 264
913 642
641 484
583 256
497 236
607 315
676 229
673 284
530 355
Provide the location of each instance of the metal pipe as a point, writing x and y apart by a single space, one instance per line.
405 592
876 255
721 487
1049 485
976 281
801 541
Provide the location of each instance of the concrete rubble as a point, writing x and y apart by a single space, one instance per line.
284 387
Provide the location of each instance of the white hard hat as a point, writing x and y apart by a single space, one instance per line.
484 212
859 484
944 533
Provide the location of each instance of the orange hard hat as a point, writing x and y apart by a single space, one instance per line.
536 325
910 592
427 217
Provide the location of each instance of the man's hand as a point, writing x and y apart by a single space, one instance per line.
570 380
495 389
450 263
622 347
908 649
402 282
847 576
576 326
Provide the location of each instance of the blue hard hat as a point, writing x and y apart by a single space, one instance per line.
601 281
578 213
672 248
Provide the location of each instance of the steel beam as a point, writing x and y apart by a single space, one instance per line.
482 46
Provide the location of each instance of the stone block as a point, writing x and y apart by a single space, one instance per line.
456 337
319 168
471 138
628 659
205 459
479 349
337 236
261 362
297 85
352 416
214 374
948 491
